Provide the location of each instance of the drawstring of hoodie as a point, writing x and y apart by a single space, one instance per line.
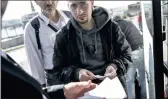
84 55
96 47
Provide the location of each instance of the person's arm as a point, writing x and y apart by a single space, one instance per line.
71 90
122 50
33 54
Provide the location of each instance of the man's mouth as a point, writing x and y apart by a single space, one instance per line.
81 16
49 6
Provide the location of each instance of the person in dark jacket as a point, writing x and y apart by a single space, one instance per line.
135 39
90 44
17 84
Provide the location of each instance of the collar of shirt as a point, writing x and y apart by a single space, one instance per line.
62 15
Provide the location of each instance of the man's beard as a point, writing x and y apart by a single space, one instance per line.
83 22
47 13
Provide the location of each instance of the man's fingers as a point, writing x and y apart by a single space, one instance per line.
86 84
83 84
111 75
108 70
91 87
84 77
90 74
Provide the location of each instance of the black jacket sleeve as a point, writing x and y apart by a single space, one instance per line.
11 72
65 69
16 83
122 50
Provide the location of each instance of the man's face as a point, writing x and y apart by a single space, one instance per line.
81 10
47 5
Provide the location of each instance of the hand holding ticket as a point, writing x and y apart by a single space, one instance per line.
98 79
109 89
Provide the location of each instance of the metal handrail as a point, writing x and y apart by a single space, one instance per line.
12 37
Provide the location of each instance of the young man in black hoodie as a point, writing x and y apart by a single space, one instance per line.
90 44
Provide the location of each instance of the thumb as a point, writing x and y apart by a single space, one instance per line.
109 70
86 89
90 74
84 84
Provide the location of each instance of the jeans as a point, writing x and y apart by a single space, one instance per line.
138 64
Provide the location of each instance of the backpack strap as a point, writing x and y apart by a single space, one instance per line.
36 25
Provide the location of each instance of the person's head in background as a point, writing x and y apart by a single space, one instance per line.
117 18
81 10
3 7
48 7
124 17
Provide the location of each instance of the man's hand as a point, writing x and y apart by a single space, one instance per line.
85 75
110 72
77 89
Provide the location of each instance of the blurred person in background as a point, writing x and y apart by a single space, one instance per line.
135 39
39 39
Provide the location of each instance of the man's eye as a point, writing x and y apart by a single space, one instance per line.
73 6
82 3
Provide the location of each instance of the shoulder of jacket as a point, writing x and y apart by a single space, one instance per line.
64 31
113 22
28 24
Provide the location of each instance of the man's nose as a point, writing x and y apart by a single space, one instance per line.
79 10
